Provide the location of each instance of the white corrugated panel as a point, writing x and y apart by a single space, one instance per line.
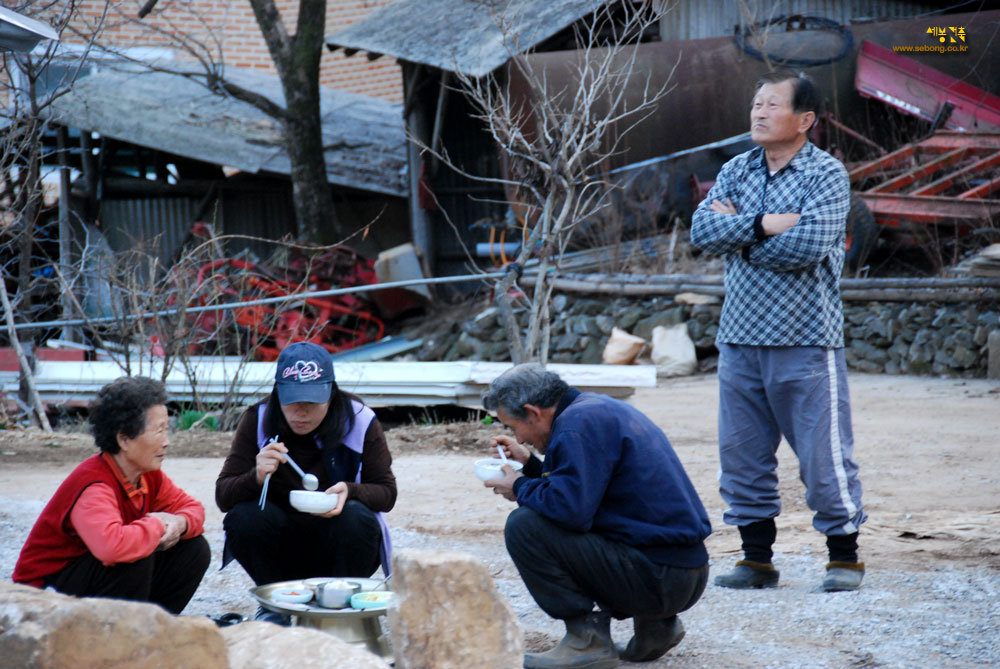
377 383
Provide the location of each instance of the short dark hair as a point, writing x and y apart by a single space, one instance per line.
120 408
805 93
527 383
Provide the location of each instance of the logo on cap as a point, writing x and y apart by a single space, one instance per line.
302 371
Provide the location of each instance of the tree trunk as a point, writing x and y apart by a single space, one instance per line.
310 189
297 58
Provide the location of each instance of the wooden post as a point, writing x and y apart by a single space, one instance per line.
65 237
27 374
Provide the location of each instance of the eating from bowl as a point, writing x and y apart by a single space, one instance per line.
491 468
313 501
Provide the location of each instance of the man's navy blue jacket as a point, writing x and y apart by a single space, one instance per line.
608 469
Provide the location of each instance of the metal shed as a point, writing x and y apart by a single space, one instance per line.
433 41
235 161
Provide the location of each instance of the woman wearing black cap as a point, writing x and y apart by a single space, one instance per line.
329 434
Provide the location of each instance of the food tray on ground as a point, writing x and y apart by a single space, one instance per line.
265 595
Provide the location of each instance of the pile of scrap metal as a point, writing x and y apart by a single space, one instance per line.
337 323
951 178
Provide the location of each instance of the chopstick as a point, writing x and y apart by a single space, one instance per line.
263 491
267 479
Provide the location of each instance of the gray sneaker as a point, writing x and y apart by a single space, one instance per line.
843 576
749 574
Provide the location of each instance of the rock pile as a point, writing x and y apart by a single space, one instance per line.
448 614
889 337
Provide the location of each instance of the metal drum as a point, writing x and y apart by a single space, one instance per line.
360 627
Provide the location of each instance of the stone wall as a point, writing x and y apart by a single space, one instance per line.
890 337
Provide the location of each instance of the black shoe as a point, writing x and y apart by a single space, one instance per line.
653 638
748 574
587 645
227 619
843 576
269 616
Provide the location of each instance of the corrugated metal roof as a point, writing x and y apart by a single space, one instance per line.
474 37
365 137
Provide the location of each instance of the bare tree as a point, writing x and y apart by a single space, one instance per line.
296 57
556 143
30 265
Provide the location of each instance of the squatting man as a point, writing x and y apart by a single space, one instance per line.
607 518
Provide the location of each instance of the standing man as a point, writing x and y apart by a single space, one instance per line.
609 517
777 213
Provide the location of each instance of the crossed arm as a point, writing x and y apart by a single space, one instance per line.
782 241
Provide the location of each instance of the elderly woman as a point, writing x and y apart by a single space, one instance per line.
329 434
118 526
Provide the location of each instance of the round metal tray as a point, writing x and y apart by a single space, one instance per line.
355 626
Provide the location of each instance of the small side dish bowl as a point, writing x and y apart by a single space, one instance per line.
371 600
312 501
292 595
490 468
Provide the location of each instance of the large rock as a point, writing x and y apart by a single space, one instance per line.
49 630
257 645
667 318
449 615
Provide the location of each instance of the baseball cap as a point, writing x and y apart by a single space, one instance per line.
304 374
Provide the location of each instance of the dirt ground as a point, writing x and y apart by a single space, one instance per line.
927 449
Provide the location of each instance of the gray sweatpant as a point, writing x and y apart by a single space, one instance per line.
799 392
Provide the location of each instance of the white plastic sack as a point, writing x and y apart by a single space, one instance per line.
622 348
673 351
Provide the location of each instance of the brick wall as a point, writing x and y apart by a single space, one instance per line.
228 27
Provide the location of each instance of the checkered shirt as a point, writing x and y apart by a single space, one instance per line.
782 290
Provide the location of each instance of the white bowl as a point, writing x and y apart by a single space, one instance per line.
371 600
336 593
312 501
292 595
490 468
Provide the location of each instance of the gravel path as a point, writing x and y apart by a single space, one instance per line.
931 596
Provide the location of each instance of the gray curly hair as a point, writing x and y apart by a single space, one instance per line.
527 383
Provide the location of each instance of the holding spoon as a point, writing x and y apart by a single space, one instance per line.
309 481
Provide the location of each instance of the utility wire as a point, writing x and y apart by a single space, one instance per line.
294 297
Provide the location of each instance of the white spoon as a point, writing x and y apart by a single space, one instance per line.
309 481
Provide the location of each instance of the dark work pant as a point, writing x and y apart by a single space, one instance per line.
168 578
283 545
568 572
